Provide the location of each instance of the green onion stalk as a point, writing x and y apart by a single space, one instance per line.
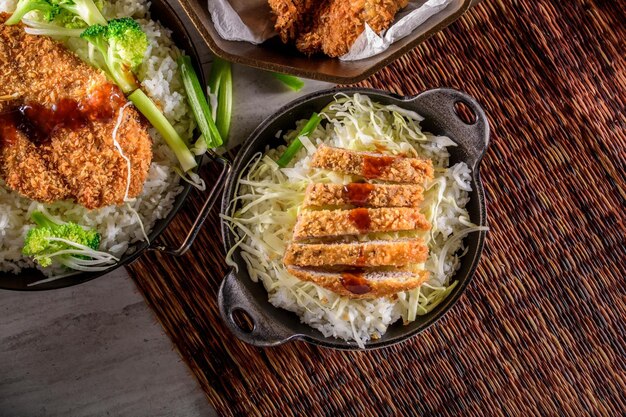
296 145
221 86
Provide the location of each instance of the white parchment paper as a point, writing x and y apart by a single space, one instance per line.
251 21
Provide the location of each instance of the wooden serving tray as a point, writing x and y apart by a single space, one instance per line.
273 55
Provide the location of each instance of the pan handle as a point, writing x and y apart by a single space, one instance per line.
233 299
204 212
441 104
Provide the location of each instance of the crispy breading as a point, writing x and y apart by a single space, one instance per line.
334 25
361 254
333 223
362 285
292 15
373 165
79 163
363 195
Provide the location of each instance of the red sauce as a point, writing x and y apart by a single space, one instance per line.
103 103
361 219
355 282
358 194
374 166
38 123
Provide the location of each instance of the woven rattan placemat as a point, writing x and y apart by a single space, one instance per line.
540 331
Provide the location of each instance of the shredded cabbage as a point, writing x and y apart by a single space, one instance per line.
268 200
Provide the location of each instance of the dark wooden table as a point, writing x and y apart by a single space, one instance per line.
541 329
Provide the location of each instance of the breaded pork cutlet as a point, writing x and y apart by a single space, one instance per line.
331 26
339 23
335 223
362 254
40 83
373 165
363 195
360 284
292 16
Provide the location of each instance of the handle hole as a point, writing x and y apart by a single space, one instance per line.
243 320
465 113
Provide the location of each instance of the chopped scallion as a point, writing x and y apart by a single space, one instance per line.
290 81
296 145
221 85
198 103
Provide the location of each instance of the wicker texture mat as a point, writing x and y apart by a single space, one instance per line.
541 330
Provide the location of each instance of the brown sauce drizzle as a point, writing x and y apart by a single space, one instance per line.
355 282
361 219
103 103
358 194
38 123
374 166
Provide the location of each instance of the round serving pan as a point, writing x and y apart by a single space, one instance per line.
273 326
160 10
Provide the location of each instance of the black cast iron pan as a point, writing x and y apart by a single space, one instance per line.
271 326
160 10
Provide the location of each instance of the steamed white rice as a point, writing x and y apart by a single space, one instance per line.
119 226
269 199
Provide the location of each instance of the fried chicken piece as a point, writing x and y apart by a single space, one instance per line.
336 24
374 165
335 223
41 81
360 254
362 284
291 15
363 195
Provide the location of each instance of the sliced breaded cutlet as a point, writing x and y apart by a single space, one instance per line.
365 254
362 285
374 165
363 195
332 223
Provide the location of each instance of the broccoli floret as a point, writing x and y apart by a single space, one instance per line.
47 9
49 238
127 40
69 20
123 45
86 9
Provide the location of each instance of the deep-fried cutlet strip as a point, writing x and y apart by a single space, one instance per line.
79 163
362 285
373 165
291 16
318 36
363 195
333 223
361 254
339 23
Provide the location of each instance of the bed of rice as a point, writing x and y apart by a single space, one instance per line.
269 198
119 226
